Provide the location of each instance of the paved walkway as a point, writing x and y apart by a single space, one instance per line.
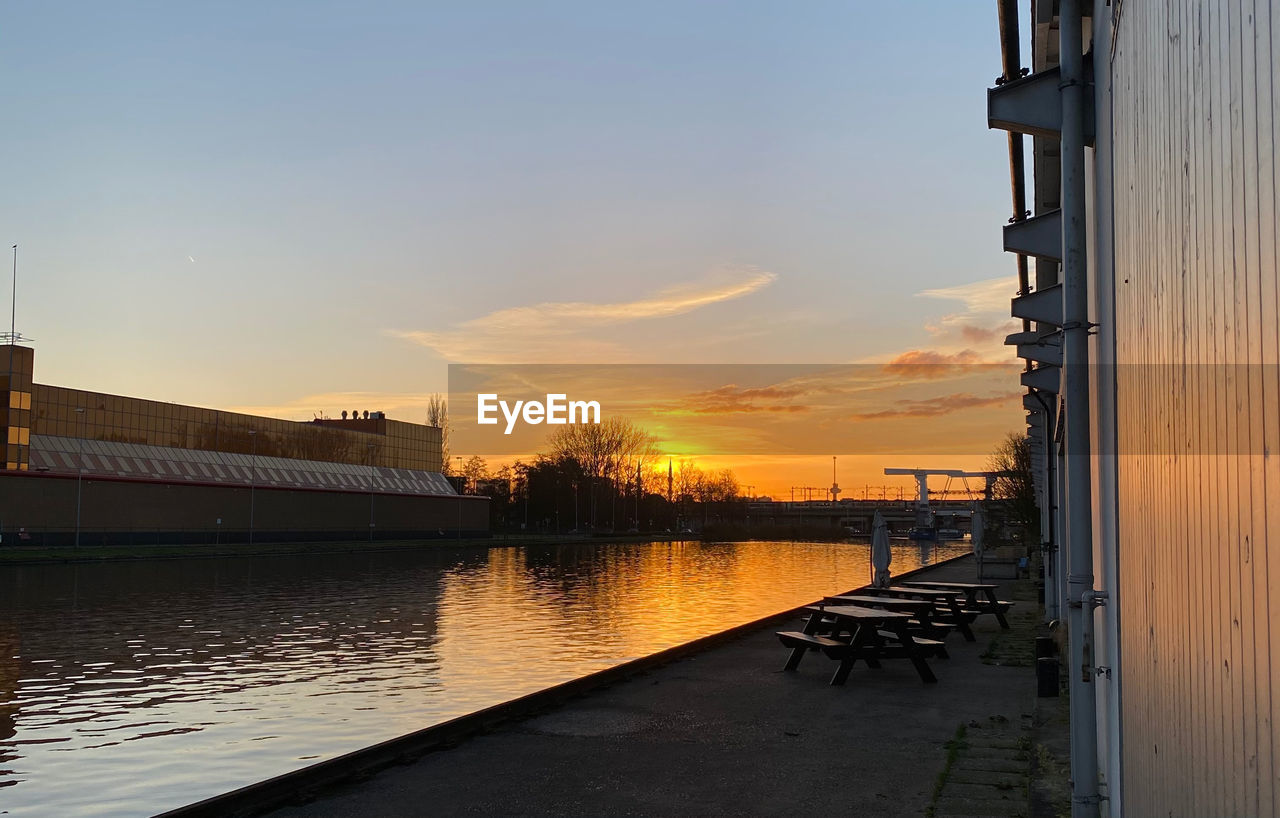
726 732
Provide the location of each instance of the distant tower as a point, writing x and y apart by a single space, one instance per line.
835 487
669 495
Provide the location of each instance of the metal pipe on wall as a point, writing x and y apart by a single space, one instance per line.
1075 353
1011 63
1048 539
1106 567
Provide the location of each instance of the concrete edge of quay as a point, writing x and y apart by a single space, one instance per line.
309 782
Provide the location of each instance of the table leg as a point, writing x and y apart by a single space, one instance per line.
995 608
797 653
962 621
872 644
857 650
913 653
931 630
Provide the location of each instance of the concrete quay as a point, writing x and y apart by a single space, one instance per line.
725 731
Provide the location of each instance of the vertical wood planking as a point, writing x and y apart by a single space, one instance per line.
1195 186
1267 599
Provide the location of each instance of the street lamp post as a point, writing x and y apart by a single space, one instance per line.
79 467
253 478
462 488
370 492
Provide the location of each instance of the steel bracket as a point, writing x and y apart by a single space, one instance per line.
1033 105
1046 378
1043 305
1039 236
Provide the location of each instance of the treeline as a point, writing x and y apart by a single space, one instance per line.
608 477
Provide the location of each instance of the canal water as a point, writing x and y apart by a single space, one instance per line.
129 688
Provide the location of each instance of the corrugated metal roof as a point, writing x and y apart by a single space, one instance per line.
61 455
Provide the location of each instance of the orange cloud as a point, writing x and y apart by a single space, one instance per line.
925 363
979 335
733 399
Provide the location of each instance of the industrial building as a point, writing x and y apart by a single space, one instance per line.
93 468
1146 244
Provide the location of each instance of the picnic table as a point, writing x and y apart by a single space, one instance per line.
874 634
926 615
978 596
946 601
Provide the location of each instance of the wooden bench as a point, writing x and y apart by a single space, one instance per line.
931 630
928 647
797 639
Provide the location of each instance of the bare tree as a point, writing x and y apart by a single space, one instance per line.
608 454
438 416
688 481
475 469
603 450
1013 484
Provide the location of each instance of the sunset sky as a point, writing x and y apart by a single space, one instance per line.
294 208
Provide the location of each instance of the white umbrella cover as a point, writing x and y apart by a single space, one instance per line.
978 523
880 555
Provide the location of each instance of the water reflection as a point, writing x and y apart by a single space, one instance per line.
132 687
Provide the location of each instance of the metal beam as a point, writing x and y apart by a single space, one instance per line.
1039 236
1033 105
1043 305
1045 378
1041 353
1041 348
1028 105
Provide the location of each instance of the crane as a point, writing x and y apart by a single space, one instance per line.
923 515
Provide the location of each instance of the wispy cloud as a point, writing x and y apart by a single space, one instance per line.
543 332
985 318
732 399
991 295
941 405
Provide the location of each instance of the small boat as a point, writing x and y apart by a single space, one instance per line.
950 534
919 533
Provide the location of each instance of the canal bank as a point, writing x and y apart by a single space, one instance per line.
41 555
38 555
714 727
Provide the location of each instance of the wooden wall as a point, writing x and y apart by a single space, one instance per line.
1198 405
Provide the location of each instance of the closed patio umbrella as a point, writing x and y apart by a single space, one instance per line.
880 556
978 524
